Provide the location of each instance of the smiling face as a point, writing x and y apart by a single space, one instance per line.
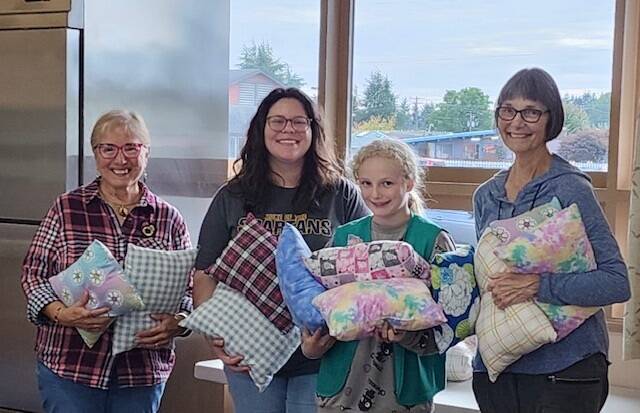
288 147
385 190
120 172
520 136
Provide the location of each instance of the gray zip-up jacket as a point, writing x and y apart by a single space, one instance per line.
606 285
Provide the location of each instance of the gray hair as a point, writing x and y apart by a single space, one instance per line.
131 123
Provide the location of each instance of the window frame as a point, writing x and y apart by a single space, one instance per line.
452 188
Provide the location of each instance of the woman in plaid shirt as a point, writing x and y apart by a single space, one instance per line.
117 209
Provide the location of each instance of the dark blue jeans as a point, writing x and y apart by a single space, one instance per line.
580 388
283 395
61 395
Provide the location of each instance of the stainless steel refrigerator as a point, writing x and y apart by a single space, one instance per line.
62 63
40 112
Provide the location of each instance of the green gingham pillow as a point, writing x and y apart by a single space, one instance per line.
228 314
161 278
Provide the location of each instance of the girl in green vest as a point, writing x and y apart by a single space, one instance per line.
393 371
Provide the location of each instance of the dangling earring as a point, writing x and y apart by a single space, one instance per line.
145 175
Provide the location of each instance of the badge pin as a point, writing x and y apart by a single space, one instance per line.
148 230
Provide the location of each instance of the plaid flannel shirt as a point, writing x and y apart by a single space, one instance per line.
74 221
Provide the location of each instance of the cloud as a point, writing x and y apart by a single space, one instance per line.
584 43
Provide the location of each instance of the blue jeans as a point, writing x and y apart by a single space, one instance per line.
284 395
60 395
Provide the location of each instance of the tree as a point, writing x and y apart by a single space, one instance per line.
575 118
377 123
425 116
378 99
261 56
464 110
596 107
586 145
403 116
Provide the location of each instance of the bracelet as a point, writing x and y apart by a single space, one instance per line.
57 313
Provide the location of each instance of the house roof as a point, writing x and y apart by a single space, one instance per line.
238 75
450 136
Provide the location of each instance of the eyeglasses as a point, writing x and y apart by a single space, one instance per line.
279 123
110 151
528 115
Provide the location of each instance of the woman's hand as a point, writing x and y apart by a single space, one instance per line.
161 334
509 288
315 345
231 362
78 316
388 334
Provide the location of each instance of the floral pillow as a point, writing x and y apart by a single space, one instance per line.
98 273
524 224
246 331
354 310
558 245
248 264
454 287
297 284
366 261
505 335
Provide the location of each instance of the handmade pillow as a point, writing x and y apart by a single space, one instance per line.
505 335
248 265
297 284
161 277
454 287
524 224
354 310
246 331
366 261
98 273
557 245
459 364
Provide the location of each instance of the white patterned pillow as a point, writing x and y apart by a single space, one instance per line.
161 278
505 335
246 331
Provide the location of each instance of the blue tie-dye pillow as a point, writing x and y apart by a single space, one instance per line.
455 288
297 284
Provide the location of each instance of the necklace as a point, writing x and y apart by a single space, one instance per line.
121 209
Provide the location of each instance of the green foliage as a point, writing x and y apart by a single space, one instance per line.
596 107
403 116
261 56
575 118
378 99
464 110
376 123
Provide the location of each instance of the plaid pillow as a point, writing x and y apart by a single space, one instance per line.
161 277
248 265
246 331
505 335
97 272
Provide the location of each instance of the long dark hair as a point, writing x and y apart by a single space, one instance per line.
321 170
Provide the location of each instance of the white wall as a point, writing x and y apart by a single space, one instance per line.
622 373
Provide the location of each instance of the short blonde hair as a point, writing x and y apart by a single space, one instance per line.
131 122
406 158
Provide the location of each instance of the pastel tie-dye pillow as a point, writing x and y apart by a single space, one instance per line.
297 284
455 288
524 224
354 310
557 245
366 261
98 273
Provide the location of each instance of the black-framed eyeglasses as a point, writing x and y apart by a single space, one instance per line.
529 115
278 123
110 150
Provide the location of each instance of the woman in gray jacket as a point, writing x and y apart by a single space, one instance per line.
569 375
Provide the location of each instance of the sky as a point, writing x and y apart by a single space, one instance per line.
426 47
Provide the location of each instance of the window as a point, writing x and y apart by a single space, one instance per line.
196 71
430 71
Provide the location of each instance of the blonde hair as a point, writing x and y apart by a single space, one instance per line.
131 123
406 158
